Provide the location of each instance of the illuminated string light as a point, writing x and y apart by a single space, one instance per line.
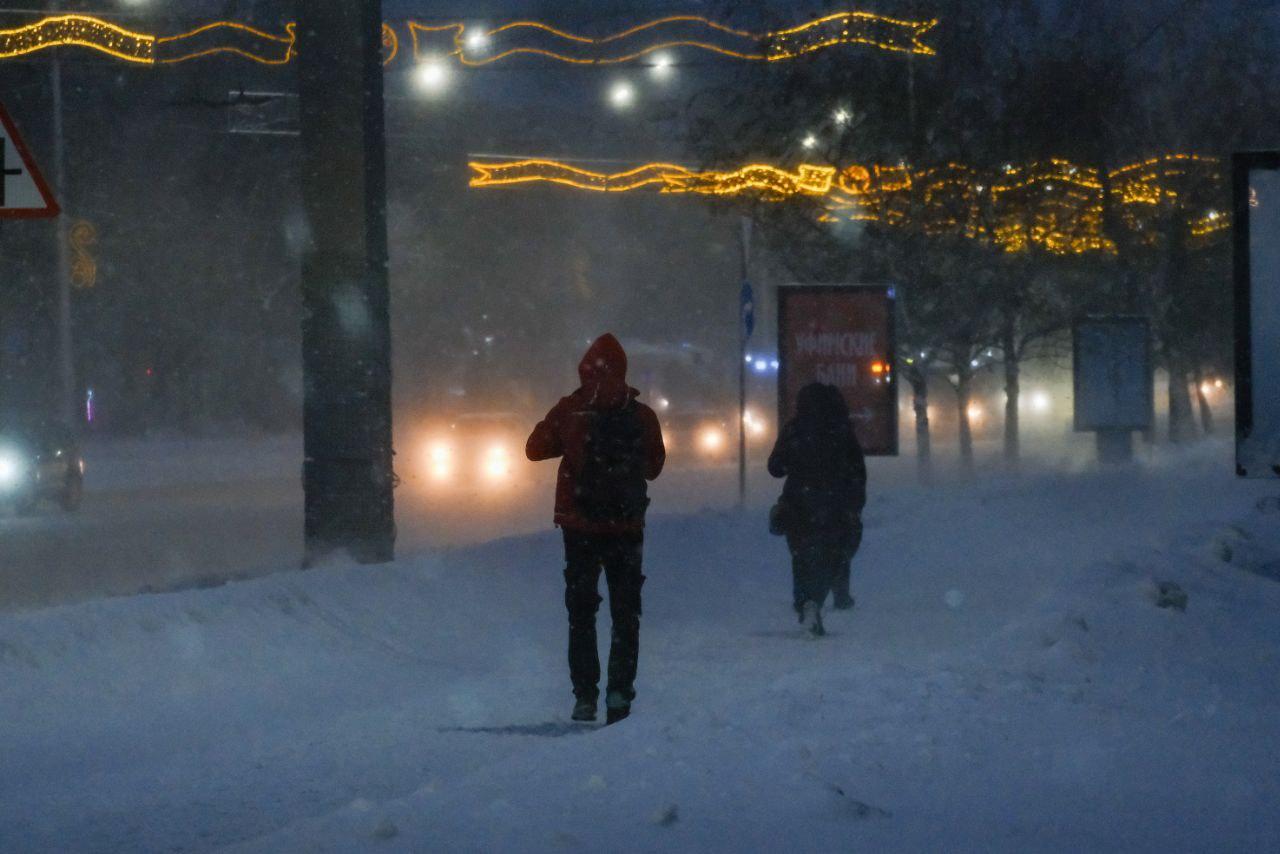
476 45
84 269
229 37
669 178
692 31
1053 205
80 31
132 46
390 44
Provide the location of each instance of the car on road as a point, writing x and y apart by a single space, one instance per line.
698 435
40 462
710 436
476 449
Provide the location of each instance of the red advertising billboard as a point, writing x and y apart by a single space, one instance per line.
842 335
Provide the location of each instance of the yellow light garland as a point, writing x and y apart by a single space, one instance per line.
228 37
78 30
142 48
536 39
668 177
456 40
674 31
1053 205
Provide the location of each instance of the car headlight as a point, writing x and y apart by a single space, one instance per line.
497 462
753 423
440 455
11 469
711 439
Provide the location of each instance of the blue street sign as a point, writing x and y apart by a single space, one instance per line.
748 302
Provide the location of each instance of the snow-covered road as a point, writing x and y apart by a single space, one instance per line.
163 516
1005 683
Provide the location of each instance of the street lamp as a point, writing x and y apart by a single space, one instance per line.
431 75
622 95
663 66
477 39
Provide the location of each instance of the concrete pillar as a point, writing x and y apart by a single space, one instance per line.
346 338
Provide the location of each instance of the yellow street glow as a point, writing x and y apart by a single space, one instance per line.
711 439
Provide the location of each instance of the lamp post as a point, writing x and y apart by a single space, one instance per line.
746 324
62 249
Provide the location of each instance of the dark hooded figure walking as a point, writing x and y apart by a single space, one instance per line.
610 446
821 504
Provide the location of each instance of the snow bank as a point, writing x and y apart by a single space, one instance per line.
1006 682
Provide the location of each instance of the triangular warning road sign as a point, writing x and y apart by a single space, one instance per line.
23 191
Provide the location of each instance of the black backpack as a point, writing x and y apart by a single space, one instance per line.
611 485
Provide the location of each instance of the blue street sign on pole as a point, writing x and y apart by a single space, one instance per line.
748 310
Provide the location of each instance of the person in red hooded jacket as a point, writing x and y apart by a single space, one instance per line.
610 446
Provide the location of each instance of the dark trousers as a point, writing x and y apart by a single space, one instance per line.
619 556
821 563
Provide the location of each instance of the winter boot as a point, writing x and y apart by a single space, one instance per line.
811 619
617 707
584 709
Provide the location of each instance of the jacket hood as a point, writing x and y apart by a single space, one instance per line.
603 372
820 405
604 360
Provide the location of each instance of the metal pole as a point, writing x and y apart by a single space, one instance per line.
742 414
742 370
62 248
346 334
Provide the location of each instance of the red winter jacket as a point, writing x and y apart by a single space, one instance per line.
563 432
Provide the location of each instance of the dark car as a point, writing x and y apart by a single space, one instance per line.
40 462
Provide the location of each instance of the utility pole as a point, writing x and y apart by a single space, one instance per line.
62 248
746 324
346 337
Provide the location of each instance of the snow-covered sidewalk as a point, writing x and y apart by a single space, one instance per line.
1006 682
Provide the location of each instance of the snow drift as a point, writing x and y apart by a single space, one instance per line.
1006 682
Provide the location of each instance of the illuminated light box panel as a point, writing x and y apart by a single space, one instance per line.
1256 191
